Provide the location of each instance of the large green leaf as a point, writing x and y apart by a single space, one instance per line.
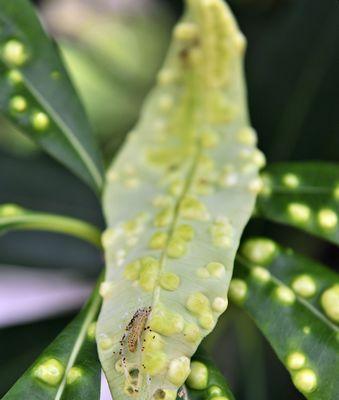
13 217
37 95
295 302
177 199
305 195
69 368
206 381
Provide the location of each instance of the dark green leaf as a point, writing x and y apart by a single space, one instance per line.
69 368
305 195
13 217
206 381
295 302
37 95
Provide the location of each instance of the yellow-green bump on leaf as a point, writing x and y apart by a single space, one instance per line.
296 294
194 160
304 195
198 378
69 367
44 108
205 380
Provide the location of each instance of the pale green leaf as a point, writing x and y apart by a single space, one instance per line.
177 199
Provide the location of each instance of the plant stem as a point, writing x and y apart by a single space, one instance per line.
55 223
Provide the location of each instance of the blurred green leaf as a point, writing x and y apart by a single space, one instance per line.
14 140
69 368
13 217
37 95
39 183
111 76
111 106
203 370
294 301
305 195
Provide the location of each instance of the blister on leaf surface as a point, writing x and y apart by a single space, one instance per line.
295 302
176 200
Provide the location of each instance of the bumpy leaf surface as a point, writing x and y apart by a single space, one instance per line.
69 368
37 95
295 302
305 195
176 201
206 382
14 217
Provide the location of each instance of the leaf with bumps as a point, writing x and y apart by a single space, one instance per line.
37 95
14 217
176 201
69 368
205 381
295 302
305 195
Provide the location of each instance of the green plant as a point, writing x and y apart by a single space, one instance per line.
176 201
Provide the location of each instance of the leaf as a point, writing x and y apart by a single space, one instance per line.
37 95
177 199
205 381
13 217
69 368
305 195
294 301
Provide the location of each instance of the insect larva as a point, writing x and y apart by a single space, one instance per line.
136 327
132 336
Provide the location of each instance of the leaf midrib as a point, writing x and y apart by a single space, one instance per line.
72 139
188 126
92 312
